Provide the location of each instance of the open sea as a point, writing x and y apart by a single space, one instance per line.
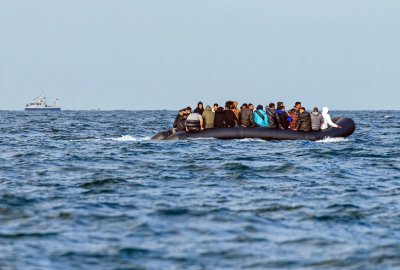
90 190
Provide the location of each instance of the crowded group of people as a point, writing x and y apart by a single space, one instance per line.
275 117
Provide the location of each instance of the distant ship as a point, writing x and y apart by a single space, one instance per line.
40 104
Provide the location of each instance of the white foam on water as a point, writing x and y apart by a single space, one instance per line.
332 140
388 116
123 138
201 139
129 138
250 140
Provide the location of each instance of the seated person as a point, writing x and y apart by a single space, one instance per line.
188 110
194 122
327 119
246 116
316 119
260 117
235 110
273 118
179 118
219 120
181 125
297 107
304 122
208 117
292 119
230 118
215 108
283 115
251 107
199 109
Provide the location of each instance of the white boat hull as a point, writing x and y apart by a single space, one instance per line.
43 109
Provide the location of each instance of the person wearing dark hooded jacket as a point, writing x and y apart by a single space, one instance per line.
273 119
208 117
316 119
304 121
178 118
181 125
230 118
219 120
200 108
283 116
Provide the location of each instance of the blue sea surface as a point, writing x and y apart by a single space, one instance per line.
90 190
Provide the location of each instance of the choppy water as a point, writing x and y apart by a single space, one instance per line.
89 190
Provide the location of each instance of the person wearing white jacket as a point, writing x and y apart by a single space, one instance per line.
327 119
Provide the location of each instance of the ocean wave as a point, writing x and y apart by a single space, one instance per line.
332 140
129 138
201 139
118 200
250 140
123 138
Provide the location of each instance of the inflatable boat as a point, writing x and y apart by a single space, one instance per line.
347 124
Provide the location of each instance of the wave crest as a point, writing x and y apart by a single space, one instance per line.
332 140
129 138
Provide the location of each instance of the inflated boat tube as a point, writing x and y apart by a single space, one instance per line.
162 135
347 124
193 125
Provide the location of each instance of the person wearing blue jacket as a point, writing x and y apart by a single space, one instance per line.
260 117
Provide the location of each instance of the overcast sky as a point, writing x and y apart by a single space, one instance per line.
162 54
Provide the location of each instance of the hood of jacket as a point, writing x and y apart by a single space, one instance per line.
270 110
208 108
315 113
325 110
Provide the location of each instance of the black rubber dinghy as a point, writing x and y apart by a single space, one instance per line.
347 124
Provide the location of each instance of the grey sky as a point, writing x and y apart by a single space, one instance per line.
168 54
